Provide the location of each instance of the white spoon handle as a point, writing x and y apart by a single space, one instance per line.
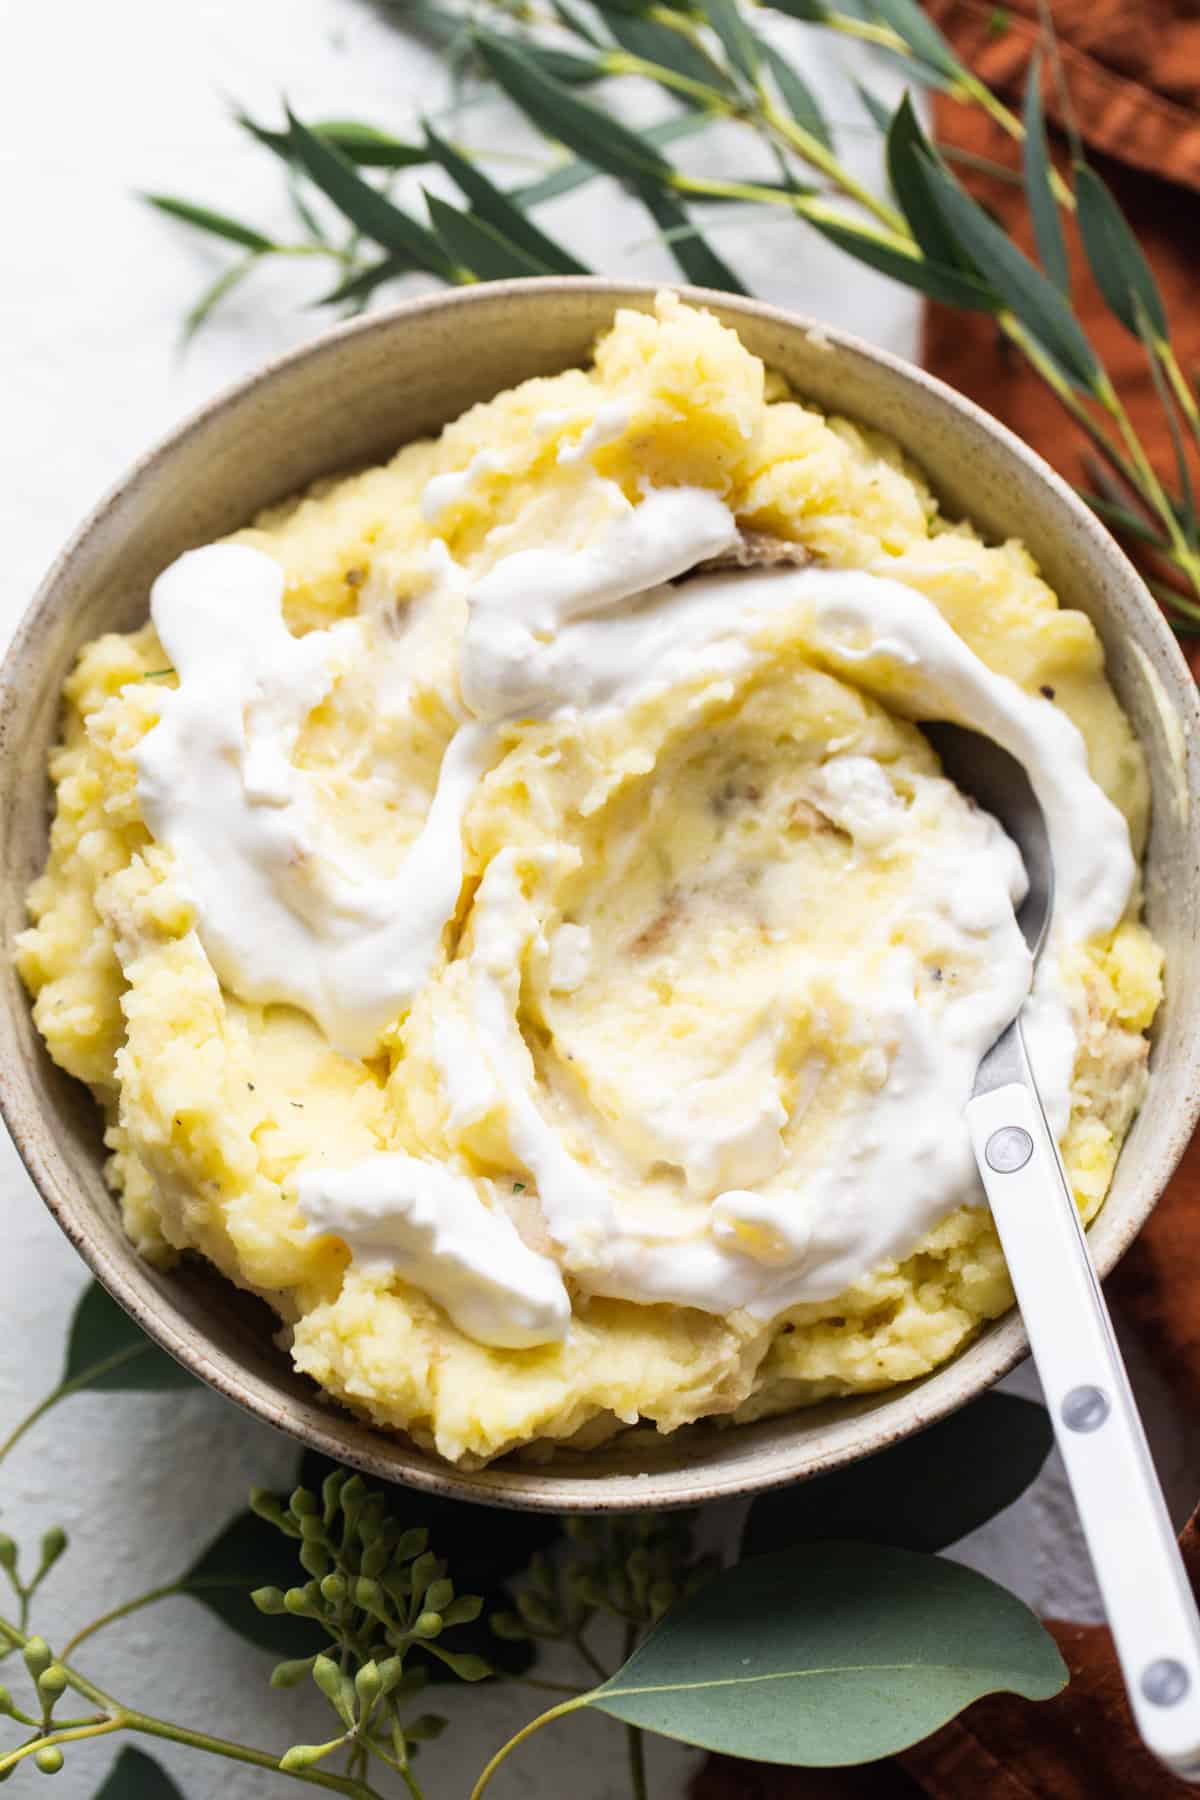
1147 1598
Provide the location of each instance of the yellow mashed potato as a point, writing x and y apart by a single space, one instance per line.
212 1104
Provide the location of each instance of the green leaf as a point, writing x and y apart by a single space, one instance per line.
737 40
874 107
910 22
564 65
797 96
697 261
212 296
359 286
831 1654
1043 207
374 215
251 1553
1114 255
560 114
813 12
205 219
669 49
575 21
903 1497
477 246
136 1776
107 1352
367 145
908 155
1184 505
575 172
935 280
1023 288
497 210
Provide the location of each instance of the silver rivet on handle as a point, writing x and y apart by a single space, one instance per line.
1165 1682
1008 1149
1085 1409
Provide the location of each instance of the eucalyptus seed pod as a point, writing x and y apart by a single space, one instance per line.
427 1568
375 1559
439 1594
331 1492
312 1528
464 1609
38 1656
508 1626
269 1600
314 1559
8 1552
333 1588
425 1728
591 1590
353 1495
268 1507
367 1684
304 1601
49 1759
391 1671
662 1598
370 1519
370 1596
328 1677
291 1674
410 1543
51 1683
306 1756
541 1573
535 1612
302 1503
53 1545
427 1625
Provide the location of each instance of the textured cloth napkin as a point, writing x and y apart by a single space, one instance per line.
1133 72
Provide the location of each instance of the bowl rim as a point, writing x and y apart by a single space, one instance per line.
522 1486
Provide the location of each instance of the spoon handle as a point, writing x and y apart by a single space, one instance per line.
1146 1593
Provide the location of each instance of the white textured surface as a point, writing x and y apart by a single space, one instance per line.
95 101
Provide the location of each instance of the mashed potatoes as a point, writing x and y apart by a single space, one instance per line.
501 948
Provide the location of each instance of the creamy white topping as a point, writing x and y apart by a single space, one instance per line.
431 1227
750 1221
281 911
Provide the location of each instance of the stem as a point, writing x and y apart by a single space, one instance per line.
813 152
31 1418
115 1717
635 1743
121 1612
1180 386
1149 484
547 1687
506 1750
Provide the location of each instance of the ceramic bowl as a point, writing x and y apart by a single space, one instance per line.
352 397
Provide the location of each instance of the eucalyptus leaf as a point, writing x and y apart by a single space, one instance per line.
737 40
874 107
920 1494
576 171
831 1654
910 22
1115 257
136 1776
1185 505
797 96
669 49
213 295
564 65
247 1554
359 142
497 210
108 1352
574 21
1027 293
560 114
935 280
218 224
908 155
372 212
358 287
475 245
1043 207
813 12
696 259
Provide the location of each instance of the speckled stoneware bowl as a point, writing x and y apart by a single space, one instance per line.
352 397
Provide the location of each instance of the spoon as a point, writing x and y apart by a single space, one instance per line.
1140 1572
